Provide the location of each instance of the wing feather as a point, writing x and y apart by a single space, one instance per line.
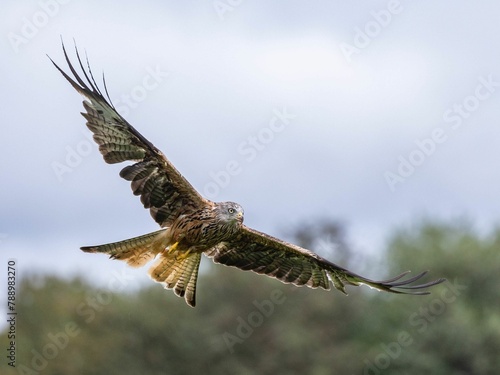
264 254
162 188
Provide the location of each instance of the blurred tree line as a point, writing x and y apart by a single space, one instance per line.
250 324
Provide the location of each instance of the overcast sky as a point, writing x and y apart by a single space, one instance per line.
373 113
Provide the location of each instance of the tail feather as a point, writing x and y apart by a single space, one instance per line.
135 251
178 274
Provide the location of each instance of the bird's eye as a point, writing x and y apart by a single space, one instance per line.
231 210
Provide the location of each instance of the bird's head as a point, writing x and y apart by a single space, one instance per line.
230 212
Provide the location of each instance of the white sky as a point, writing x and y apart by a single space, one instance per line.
227 73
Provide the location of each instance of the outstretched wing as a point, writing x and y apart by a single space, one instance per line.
264 254
162 188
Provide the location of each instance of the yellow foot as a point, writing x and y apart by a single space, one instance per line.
183 255
172 248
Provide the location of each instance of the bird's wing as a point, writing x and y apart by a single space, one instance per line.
264 254
162 188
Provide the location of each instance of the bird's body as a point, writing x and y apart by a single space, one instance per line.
192 225
179 245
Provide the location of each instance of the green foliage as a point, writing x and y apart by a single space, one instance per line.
249 324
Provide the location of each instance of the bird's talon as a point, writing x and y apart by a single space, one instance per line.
172 248
183 255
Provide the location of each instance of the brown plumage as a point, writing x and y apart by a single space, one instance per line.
192 225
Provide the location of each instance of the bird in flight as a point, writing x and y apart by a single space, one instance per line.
192 225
